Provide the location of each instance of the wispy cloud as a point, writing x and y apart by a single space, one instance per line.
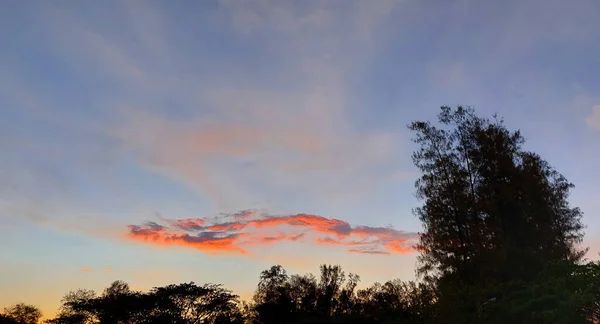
239 232
594 119
367 251
234 133
86 269
246 139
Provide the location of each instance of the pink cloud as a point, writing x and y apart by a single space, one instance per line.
284 147
206 241
236 233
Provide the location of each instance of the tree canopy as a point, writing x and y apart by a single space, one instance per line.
21 313
494 214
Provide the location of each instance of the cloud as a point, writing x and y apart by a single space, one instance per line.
236 134
368 251
86 269
206 241
188 223
247 138
594 119
236 233
292 144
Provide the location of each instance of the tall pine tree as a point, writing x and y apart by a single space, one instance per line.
493 212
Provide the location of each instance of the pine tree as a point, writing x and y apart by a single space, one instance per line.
492 211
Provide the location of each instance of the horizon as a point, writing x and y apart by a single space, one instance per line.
205 142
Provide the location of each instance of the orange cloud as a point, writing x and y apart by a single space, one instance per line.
207 241
235 233
86 269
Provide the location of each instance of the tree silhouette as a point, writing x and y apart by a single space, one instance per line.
21 313
347 296
188 303
564 292
182 303
117 288
68 319
333 299
493 213
68 314
332 278
304 293
273 298
488 202
5 319
117 304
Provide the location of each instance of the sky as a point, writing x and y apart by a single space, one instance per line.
164 142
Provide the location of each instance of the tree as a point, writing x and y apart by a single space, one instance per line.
563 292
304 293
486 199
273 300
5 319
183 303
347 296
280 298
67 313
22 313
330 283
396 301
117 304
116 288
492 213
68 319
189 303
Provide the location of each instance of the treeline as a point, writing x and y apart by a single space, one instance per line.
563 293
332 297
500 244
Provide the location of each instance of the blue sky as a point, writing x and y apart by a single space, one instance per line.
116 113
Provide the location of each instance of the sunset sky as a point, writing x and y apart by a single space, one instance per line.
159 142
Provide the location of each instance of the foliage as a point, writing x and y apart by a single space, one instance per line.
492 211
5 319
334 299
21 313
564 292
495 215
183 303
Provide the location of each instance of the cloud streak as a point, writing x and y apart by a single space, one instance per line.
239 232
